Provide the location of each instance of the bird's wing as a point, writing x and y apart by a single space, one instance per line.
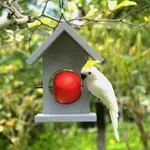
107 93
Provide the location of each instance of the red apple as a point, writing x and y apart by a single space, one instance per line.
67 87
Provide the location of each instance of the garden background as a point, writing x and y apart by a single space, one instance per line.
118 30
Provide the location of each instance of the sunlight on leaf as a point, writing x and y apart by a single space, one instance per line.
1 128
112 141
91 13
132 50
125 4
138 110
8 68
28 98
33 24
40 91
112 4
19 37
146 18
72 7
13 139
46 21
11 122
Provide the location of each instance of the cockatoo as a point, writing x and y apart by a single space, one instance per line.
100 87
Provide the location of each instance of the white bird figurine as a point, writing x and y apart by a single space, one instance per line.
100 87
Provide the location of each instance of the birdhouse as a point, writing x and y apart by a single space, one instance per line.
64 49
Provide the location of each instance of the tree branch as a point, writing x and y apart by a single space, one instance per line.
8 22
15 17
34 30
91 20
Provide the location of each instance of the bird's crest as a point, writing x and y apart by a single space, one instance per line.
90 63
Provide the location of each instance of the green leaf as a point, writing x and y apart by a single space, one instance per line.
112 4
72 7
125 98
139 89
125 4
91 13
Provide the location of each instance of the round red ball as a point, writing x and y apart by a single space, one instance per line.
67 87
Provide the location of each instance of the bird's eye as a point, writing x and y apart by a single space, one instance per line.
89 73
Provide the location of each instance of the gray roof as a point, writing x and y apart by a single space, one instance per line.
60 29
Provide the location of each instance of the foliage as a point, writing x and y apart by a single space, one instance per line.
77 139
19 101
127 66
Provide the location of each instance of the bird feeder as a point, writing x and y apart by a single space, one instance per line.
64 49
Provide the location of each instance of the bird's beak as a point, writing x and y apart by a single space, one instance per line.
83 76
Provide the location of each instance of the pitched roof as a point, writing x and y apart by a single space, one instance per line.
59 30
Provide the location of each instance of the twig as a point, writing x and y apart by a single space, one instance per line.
50 17
29 112
132 24
17 18
34 30
91 20
43 11
58 21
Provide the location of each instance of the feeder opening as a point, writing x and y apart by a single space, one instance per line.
66 86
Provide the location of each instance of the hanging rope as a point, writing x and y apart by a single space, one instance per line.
61 5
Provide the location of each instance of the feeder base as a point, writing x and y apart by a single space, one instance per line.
89 117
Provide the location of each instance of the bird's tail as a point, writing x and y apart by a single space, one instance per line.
114 119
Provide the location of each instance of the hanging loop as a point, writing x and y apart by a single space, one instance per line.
62 11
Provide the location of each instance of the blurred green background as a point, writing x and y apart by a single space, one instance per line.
125 46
